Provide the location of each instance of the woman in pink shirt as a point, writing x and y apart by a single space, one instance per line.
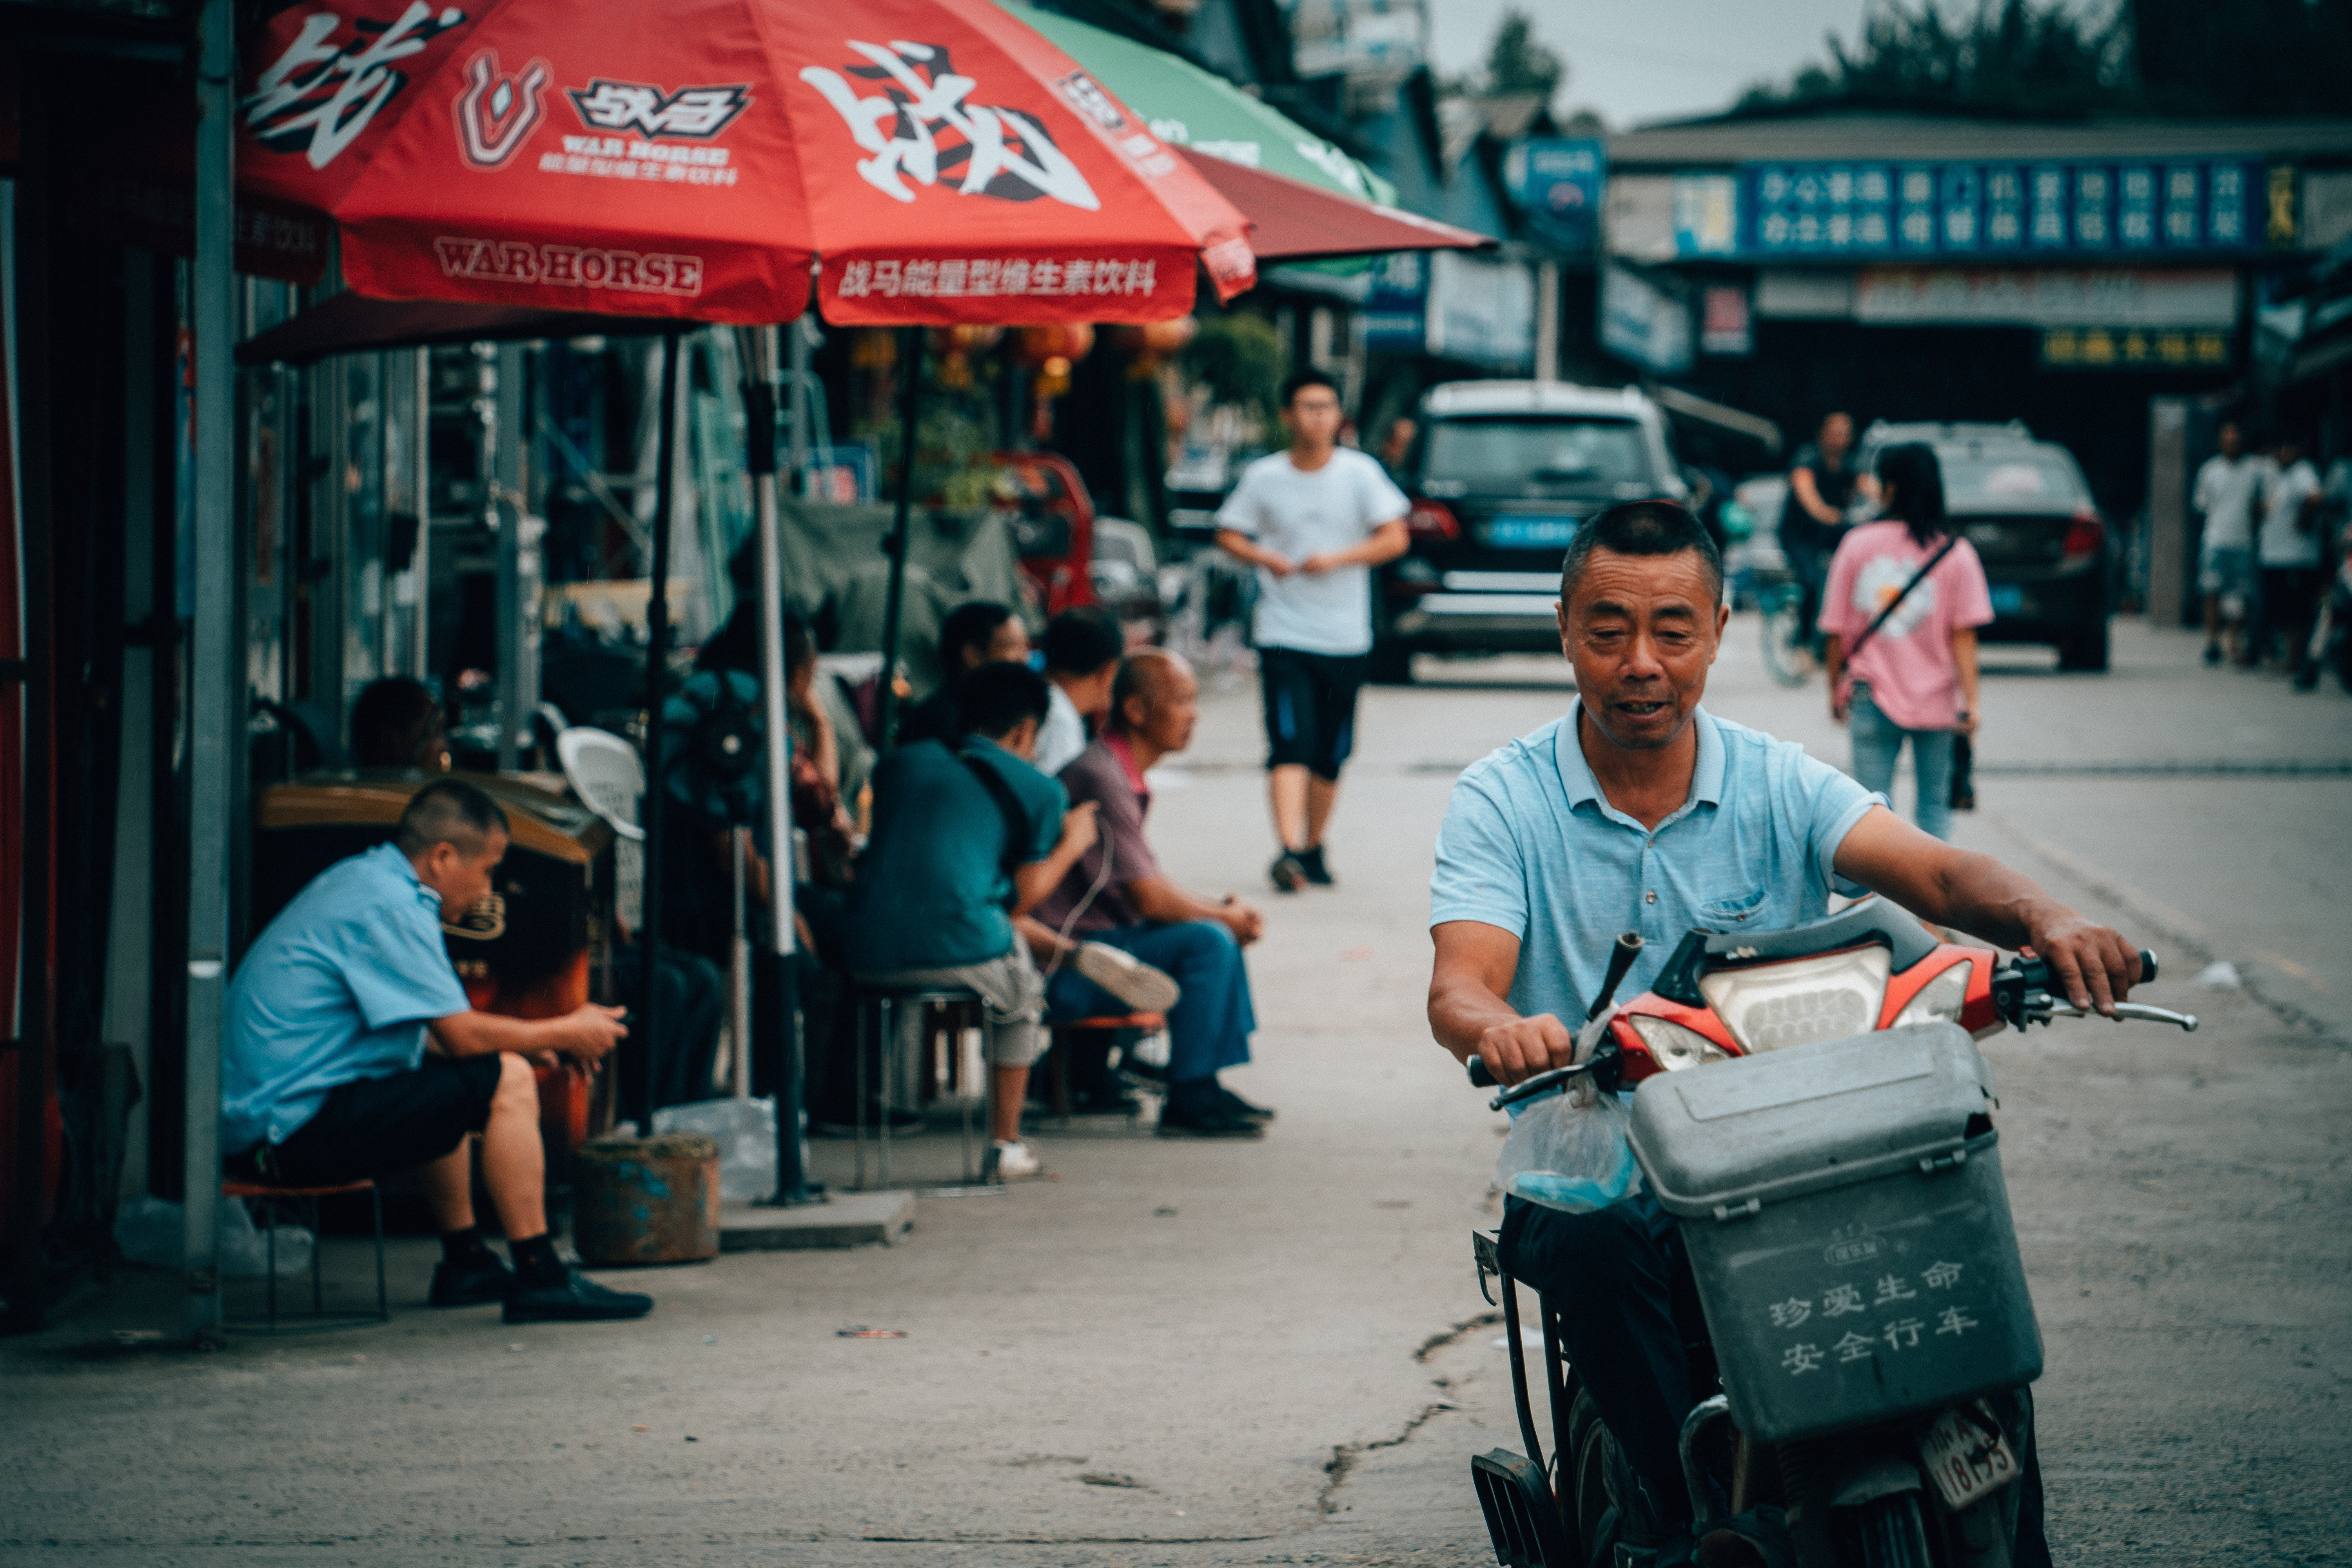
1915 677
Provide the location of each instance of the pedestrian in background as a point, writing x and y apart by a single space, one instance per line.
1913 673
1082 651
973 636
1822 486
2288 553
2229 486
1313 521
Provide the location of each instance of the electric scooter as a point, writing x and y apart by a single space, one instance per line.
1812 1110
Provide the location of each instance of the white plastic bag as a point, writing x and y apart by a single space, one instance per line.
1568 1152
149 1231
746 1131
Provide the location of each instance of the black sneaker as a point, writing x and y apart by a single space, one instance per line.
1310 862
2212 653
477 1279
1200 1111
1288 874
578 1299
1109 1101
1261 1114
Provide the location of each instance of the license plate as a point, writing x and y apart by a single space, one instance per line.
1529 533
2008 598
1967 1456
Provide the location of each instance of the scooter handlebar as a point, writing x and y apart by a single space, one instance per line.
2036 973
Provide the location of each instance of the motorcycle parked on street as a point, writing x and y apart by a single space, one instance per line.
1814 1113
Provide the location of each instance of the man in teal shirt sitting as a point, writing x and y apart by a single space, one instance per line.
963 841
353 1053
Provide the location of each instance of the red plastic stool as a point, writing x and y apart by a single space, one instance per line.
270 1196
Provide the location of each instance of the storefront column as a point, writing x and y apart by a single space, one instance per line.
214 658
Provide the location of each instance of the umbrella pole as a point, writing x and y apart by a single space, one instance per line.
760 359
651 813
909 391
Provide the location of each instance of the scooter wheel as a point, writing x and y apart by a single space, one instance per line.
1891 1533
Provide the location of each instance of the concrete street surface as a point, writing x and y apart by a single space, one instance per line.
1185 1353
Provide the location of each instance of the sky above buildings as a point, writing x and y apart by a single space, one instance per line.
1635 61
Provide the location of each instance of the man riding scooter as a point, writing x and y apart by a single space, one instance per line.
1638 810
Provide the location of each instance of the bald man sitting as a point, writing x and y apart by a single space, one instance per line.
352 1052
1155 701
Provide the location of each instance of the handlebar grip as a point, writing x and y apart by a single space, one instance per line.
1479 1076
2036 973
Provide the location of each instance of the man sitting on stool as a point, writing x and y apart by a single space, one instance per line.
353 1053
1128 906
964 839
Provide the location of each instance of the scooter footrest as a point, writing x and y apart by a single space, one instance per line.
1521 1515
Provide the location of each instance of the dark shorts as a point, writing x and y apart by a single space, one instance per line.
1310 708
380 1126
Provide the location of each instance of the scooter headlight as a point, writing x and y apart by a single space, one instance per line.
1940 1000
1675 1046
1776 1005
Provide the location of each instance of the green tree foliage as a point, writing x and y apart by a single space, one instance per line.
2010 56
1238 357
954 434
2251 58
1517 61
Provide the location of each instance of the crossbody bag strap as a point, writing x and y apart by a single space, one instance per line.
1895 603
1016 821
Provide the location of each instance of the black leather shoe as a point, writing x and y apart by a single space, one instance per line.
1209 1120
578 1299
479 1279
1244 1109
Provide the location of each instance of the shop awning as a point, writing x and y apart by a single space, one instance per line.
1293 221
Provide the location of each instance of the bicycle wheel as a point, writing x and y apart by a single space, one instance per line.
1786 658
1891 1535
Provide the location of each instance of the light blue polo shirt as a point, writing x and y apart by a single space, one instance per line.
336 989
1530 844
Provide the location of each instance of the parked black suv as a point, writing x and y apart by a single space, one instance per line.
1501 477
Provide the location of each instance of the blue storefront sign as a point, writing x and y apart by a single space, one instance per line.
1396 312
1908 211
1557 183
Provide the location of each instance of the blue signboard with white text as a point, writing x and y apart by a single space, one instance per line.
1557 183
1953 211
1396 312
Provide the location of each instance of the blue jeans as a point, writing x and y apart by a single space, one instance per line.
1208 1028
1878 739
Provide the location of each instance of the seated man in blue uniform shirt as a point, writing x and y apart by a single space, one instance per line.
352 1052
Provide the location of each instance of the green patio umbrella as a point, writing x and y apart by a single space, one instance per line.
1189 107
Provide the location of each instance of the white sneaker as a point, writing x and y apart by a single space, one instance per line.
1016 1159
1127 977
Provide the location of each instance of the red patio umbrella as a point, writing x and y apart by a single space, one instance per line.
691 160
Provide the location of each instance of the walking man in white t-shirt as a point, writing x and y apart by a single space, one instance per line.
1313 521
2228 487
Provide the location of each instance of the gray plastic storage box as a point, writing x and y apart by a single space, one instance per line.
1851 1238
